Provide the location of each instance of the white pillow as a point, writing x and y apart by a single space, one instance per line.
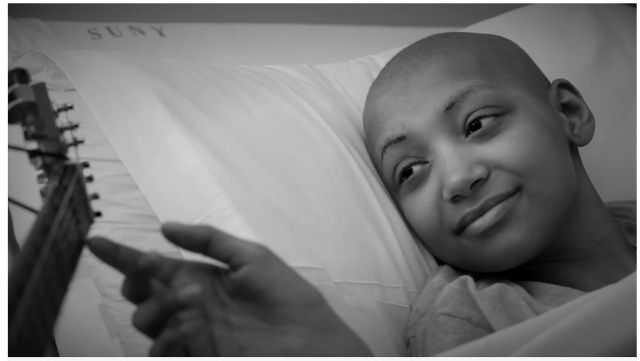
275 153
271 154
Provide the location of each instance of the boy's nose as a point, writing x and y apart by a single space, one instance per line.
462 178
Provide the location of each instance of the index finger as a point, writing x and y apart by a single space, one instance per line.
118 256
214 243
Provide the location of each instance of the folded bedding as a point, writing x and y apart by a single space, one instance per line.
601 323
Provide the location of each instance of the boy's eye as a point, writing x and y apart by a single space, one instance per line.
408 171
478 123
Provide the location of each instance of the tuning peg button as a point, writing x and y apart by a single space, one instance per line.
41 178
76 142
31 134
19 76
64 108
89 178
94 196
71 126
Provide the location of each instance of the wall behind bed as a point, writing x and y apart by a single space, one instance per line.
434 15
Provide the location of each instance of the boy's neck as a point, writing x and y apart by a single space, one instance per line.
590 253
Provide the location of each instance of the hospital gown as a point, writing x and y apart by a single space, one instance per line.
454 308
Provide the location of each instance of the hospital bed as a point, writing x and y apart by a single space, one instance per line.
256 129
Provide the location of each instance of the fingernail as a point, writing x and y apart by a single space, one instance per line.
94 241
97 244
170 226
189 292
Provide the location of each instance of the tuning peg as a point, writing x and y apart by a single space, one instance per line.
19 76
94 196
71 126
97 214
28 134
76 142
89 178
85 164
34 157
37 163
32 153
31 134
64 108
21 109
41 178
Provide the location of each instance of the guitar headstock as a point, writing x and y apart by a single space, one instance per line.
30 107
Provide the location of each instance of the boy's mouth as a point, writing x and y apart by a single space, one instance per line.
488 213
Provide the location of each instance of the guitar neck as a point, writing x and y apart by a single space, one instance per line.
40 277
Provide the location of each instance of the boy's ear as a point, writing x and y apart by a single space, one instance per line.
579 122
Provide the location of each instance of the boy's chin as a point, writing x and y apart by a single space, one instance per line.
502 258
492 267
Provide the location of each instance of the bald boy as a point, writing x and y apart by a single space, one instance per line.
480 153
479 150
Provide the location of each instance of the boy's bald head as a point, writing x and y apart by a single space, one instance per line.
483 52
478 149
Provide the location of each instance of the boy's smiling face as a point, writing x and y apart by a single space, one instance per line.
477 158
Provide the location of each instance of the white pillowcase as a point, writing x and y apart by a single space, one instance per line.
275 153
271 154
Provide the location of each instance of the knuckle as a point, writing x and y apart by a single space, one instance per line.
135 292
260 251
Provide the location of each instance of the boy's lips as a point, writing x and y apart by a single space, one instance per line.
487 214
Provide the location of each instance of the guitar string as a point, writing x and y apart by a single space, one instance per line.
80 158
22 205
37 152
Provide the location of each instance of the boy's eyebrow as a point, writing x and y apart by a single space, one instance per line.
393 140
460 96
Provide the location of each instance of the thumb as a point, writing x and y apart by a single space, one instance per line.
213 243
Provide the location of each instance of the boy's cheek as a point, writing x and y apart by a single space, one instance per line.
427 223
426 214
